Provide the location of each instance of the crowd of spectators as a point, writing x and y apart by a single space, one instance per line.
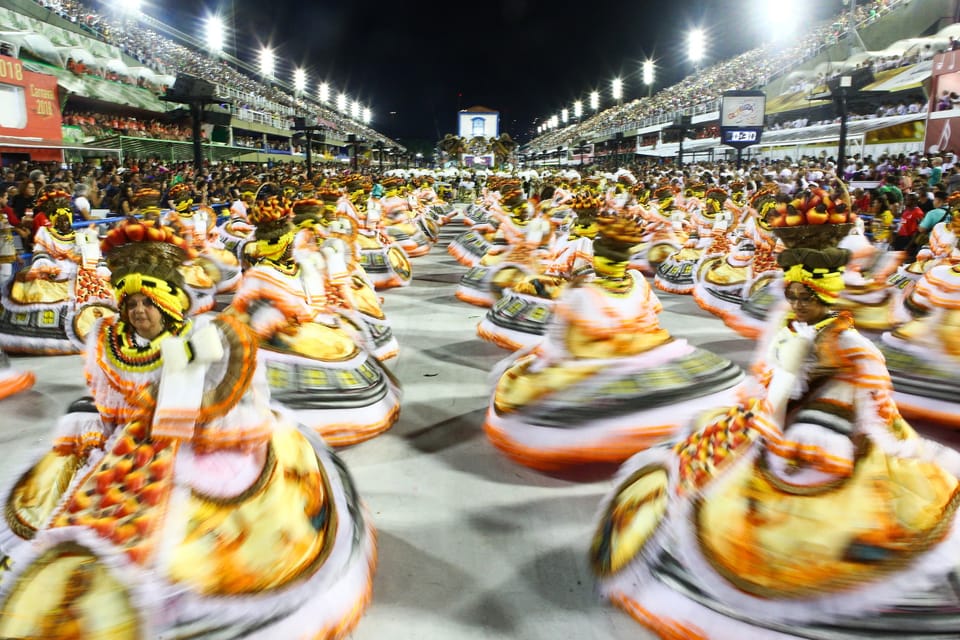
101 125
167 57
885 110
703 89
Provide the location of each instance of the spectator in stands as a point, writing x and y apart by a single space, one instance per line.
936 172
925 201
909 219
124 204
9 179
38 177
26 195
894 197
861 201
944 103
882 223
6 210
80 202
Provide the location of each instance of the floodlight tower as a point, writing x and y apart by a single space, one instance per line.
648 76
696 47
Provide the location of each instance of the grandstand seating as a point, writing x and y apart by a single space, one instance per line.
775 69
96 58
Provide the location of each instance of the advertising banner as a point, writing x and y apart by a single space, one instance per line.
29 107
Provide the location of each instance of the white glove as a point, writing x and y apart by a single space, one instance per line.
205 344
791 351
173 351
336 265
805 331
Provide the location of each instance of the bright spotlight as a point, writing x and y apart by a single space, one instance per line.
778 19
299 80
594 100
128 6
564 115
696 45
323 92
577 109
266 62
355 110
648 71
342 103
214 34
616 88
367 116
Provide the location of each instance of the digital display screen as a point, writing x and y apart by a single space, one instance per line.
740 136
13 107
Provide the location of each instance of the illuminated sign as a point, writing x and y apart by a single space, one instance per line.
478 124
741 118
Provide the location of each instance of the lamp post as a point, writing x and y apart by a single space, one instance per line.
379 146
300 124
196 94
840 98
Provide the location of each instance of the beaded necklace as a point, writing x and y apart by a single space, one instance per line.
125 353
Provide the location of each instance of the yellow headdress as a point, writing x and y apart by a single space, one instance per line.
274 231
55 204
820 270
145 258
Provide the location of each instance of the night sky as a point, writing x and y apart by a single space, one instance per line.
415 63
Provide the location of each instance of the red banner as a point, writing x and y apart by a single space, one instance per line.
29 108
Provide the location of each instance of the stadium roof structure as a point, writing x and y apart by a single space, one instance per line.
100 89
478 109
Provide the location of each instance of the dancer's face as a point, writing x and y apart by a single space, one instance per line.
806 306
143 316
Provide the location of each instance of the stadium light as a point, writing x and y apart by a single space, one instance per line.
355 110
616 89
300 80
323 92
539 129
128 6
778 19
564 115
214 34
266 62
554 121
367 116
648 72
595 100
342 103
696 45
577 109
